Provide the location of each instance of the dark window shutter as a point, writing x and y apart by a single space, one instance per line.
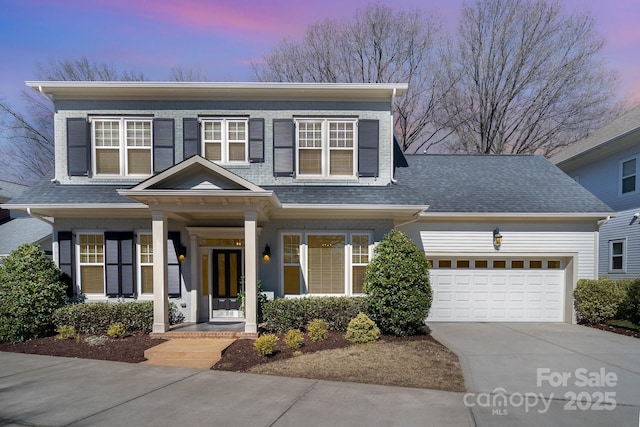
256 140
78 147
190 137
163 144
65 260
119 268
173 268
284 142
368 147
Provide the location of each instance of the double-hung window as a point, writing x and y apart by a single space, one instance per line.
628 176
326 147
225 140
616 256
122 146
91 254
145 263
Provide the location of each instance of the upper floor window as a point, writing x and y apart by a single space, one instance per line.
225 140
326 147
122 146
628 176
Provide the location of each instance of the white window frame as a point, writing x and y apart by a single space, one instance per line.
225 141
80 264
623 255
122 147
622 176
325 147
141 264
304 258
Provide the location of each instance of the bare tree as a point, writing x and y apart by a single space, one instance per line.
379 45
180 73
526 78
29 152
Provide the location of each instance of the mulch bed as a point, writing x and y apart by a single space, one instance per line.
241 356
617 330
129 349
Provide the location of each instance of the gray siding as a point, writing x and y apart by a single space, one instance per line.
258 173
602 178
623 226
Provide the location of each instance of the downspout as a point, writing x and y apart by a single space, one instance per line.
393 97
50 98
39 217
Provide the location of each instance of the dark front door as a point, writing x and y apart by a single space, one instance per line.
227 269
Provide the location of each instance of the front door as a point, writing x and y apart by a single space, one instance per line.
227 269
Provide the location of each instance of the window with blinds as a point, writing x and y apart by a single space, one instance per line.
326 147
122 146
91 254
225 140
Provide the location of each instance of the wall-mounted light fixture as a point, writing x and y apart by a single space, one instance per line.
497 238
182 253
266 254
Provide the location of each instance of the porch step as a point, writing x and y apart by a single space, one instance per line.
203 334
201 353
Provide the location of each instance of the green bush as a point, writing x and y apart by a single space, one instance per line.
632 302
294 339
116 330
30 291
598 300
96 317
65 332
317 330
266 344
283 314
397 284
362 329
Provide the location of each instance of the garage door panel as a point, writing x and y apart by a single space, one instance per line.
498 295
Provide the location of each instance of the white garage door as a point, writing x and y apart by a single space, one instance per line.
505 290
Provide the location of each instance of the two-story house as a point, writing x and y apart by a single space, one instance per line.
194 192
607 163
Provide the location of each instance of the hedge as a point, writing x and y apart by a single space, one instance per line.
95 317
602 299
283 314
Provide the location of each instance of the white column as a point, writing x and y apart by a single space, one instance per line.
250 271
196 286
160 272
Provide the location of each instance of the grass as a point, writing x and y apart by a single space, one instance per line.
422 364
624 324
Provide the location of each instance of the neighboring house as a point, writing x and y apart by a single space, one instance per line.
607 163
17 228
187 191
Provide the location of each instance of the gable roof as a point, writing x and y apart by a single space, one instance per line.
617 131
496 184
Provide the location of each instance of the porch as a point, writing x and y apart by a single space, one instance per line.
213 329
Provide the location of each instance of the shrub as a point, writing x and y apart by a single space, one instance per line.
397 284
30 291
96 317
65 332
317 330
283 314
362 329
632 308
116 330
266 344
598 300
294 339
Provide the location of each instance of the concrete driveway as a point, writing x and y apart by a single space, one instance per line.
538 374
55 391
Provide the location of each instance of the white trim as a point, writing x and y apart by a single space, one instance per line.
623 255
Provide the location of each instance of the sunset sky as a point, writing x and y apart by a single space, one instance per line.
221 37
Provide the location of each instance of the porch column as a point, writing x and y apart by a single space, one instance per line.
160 272
196 286
250 271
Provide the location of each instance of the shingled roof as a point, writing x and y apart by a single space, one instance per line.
447 183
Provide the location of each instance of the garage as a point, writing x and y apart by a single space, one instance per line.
498 289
